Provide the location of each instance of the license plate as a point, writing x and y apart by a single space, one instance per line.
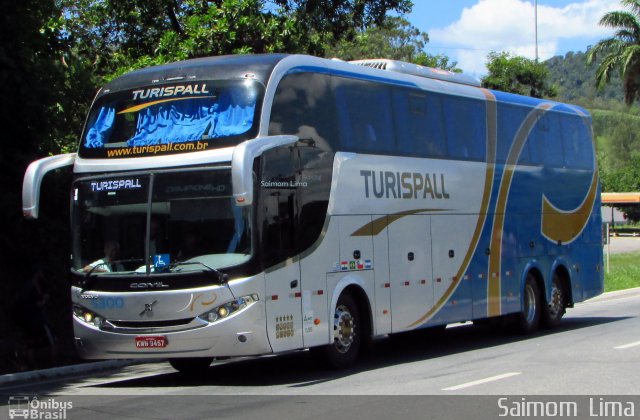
151 342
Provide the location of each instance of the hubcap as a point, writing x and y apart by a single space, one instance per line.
555 304
343 329
530 304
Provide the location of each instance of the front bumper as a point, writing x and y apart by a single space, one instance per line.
242 334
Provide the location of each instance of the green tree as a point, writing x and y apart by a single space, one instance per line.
394 39
54 54
573 78
624 178
35 100
517 74
121 36
621 51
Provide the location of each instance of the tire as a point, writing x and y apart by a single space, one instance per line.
191 366
347 333
528 320
557 305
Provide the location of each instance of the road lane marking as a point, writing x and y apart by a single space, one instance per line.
482 381
626 346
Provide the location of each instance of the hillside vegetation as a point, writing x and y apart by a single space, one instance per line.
616 127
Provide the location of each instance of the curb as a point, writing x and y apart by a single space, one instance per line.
614 294
13 379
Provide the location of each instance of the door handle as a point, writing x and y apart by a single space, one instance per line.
294 284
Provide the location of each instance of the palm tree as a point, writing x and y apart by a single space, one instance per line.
622 51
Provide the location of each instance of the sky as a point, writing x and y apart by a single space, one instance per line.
468 30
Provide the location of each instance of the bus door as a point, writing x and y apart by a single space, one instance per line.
410 271
284 307
277 207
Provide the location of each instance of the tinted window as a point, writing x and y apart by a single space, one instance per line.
545 142
419 130
277 204
303 106
465 125
576 140
365 117
510 118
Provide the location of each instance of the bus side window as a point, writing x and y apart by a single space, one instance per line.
546 142
576 140
510 118
303 106
278 229
465 125
418 120
364 113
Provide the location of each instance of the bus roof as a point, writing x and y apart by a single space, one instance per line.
206 68
261 67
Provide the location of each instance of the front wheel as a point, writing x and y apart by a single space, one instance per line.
191 366
556 307
347 333
529 318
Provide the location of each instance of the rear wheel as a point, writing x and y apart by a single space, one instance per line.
191 366
528 319
347 333
556 307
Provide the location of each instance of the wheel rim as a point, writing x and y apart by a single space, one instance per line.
530 304
343 329
556 302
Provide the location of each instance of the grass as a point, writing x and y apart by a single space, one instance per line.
624 272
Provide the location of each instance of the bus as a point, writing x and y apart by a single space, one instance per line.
261 204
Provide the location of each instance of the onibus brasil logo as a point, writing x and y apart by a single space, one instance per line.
32 407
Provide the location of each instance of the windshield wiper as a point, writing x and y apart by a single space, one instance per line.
222 277
88 278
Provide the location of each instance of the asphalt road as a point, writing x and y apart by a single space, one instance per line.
595 352
622 244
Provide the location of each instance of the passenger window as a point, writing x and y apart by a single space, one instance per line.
304 106
546 141
364 112
418 118
278 204
465 125
510 118
576 139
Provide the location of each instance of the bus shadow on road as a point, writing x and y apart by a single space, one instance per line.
307 368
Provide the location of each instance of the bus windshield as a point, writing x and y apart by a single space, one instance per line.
172 118
148 223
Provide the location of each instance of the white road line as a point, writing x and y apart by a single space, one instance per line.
626 346
482 381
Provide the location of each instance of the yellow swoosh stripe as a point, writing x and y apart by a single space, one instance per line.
494 288
492 124
137 108
565 226
381 223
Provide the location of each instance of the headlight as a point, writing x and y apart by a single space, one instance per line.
87 316
226 309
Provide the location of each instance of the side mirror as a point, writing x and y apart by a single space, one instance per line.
242 164
33 179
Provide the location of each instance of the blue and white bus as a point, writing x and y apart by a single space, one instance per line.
259 204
